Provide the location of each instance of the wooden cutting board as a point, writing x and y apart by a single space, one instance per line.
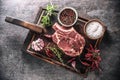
33 36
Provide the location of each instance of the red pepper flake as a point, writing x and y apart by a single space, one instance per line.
67 16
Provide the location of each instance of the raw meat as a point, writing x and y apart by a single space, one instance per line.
68 40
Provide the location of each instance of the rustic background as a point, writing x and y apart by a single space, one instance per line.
16 65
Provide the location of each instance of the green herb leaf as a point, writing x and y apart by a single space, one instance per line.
46 21
49 12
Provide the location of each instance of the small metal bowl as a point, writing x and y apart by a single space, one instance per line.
68 8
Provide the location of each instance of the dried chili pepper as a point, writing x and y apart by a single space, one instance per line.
69 61
49 53
92 58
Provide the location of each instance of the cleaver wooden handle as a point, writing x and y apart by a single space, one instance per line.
28 25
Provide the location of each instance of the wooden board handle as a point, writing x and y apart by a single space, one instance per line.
28 25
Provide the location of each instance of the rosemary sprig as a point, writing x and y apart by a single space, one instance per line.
57 52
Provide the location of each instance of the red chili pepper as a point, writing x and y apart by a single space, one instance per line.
85 63
49 53
69 61
92 57
88 55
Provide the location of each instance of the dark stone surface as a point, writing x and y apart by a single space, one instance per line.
15 65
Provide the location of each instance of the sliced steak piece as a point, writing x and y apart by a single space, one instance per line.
68 40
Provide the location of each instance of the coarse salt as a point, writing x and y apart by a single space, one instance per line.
94 30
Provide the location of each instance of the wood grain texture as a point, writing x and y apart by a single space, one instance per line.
34 27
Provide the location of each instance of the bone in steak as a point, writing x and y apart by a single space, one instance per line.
68 40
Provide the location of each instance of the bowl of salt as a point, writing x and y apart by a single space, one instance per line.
94 29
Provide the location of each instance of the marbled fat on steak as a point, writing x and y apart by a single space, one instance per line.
68 40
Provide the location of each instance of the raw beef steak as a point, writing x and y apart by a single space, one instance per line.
68 40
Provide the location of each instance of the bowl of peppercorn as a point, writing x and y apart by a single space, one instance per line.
67 17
